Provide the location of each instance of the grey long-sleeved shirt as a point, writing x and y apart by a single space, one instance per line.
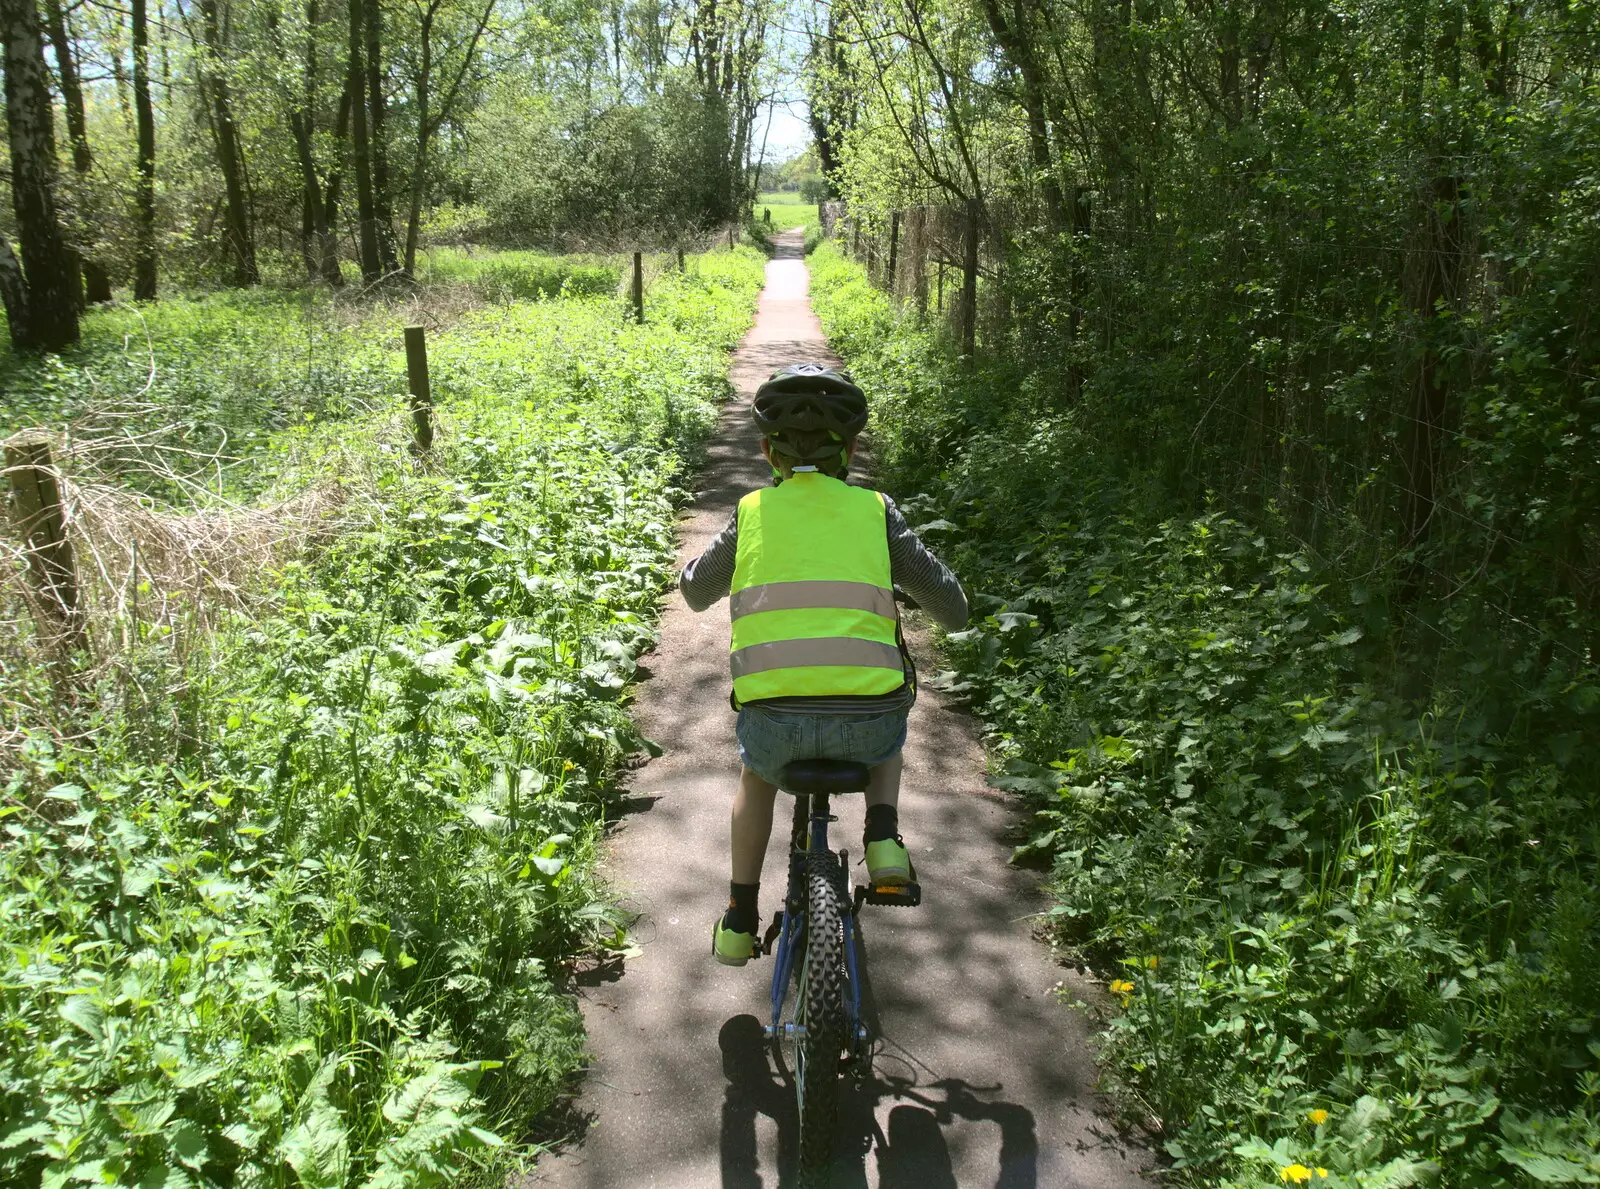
912 567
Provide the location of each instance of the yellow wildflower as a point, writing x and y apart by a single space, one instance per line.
1319 1116
1322 1172
1120 986
1152 963
1298 1173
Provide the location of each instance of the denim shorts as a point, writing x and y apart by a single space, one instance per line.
770 739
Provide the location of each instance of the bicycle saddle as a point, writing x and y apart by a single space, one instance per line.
825 776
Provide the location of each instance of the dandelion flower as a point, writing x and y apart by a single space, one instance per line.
1318 1116
1298 1173
1121 986
1321 1172
1152 963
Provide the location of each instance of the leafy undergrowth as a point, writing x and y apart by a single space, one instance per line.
508 275
297 907
1354 942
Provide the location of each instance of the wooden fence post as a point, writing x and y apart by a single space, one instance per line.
421 393
638 287
894 249
36 510
730 237
917 239
969 284
855 230
680 259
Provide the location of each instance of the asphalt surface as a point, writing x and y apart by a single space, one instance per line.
982 1077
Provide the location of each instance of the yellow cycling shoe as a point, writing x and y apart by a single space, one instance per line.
731 948
888 864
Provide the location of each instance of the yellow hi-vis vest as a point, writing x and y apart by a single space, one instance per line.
813 603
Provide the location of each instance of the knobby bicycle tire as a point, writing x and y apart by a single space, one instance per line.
821 1009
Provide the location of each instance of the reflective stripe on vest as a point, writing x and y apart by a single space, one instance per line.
808 595
813 602
837 651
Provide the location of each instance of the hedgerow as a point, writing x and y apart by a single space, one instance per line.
298 904
1352 931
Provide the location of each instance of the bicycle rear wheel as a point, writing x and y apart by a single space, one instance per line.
821 1010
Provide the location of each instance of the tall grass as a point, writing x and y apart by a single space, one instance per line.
788 211
522 276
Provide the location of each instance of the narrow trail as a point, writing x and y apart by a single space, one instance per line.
982 1077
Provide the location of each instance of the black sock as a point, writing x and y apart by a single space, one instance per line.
742 915
883 821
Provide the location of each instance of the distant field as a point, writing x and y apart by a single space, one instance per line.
787 210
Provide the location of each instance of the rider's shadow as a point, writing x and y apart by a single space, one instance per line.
913 1153
910 1150
753 1090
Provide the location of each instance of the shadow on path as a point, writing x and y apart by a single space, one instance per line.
908 1151
980 1078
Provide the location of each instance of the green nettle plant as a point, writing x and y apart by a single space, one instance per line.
1347 943
297 906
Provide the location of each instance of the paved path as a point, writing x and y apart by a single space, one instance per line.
983 1078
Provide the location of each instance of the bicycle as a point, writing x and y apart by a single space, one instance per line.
813 942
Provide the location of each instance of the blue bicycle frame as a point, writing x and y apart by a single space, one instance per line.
791 938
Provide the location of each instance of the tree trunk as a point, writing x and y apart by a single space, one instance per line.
1017 41
230 154
1437 264
97 285
144 261
328 231
377 110
361 148
1228 59
420 164
828 99
318 244
310 208
13 292
431 117
42 303
969 284
1082 222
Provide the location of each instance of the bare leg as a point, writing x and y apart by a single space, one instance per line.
884 787
752 826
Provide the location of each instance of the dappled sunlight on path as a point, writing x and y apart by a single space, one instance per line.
980 1079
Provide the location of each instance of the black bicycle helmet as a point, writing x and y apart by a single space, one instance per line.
805 398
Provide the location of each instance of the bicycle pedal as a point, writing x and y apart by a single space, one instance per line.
764 946
893 895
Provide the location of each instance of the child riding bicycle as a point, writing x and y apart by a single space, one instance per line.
819 667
